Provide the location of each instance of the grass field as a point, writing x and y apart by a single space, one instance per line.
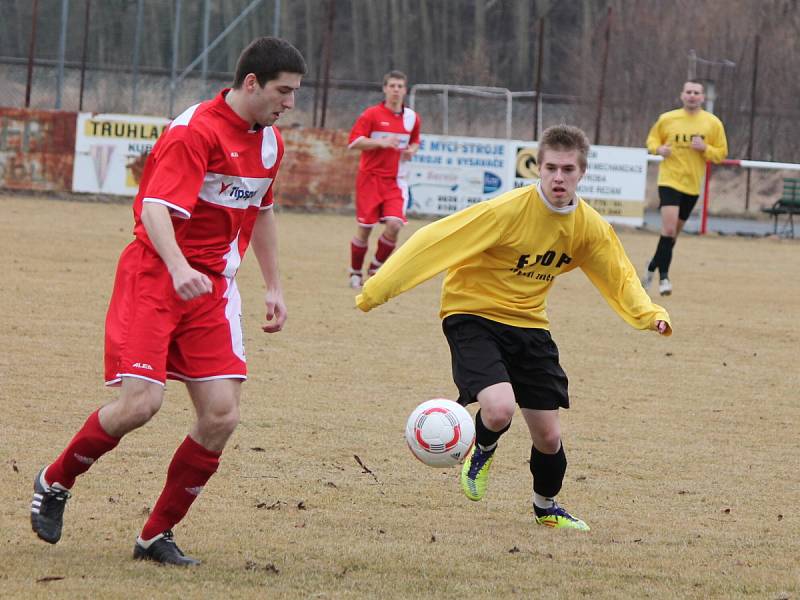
683 451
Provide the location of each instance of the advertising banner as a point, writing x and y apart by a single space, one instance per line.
614 183
449 173
110 150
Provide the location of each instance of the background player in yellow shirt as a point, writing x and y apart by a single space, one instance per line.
686 137
502 257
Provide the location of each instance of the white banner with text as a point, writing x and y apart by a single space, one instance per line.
449 173
110 150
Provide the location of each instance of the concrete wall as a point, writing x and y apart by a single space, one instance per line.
318 171
37 149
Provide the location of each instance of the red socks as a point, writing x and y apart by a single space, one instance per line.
384 250
358 250
191 467
89 444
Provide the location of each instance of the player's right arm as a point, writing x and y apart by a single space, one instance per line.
178 172
188 282
431 250
656 143
360 135
365 143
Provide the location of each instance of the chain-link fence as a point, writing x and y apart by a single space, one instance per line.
147 57
151 70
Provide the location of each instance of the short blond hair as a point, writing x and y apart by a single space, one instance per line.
565 138
394 75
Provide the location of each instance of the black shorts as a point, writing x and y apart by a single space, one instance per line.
486 352
668 196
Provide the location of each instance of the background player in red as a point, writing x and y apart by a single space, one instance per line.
387 135
175 310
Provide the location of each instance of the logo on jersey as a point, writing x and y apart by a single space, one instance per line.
525 267
235 192
194 491
141 365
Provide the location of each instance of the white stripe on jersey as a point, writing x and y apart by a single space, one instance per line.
184 117
232 259
269 148
233 311
409 119
234 192
179 212
350 145
402 138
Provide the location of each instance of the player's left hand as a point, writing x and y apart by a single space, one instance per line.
276 312
662 327
698 143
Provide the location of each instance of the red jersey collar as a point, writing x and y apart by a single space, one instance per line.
390 111
230 115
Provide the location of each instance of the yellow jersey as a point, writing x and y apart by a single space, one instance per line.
503 255
684 168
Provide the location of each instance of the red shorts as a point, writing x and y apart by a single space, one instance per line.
152 334
379 198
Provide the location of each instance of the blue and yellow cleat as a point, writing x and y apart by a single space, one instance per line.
475 473
558 518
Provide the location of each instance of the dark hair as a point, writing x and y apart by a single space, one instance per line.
394 75
564 138
266 57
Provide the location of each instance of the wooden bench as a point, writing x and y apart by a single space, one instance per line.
787 205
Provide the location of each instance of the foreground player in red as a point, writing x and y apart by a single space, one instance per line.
388 136
175 310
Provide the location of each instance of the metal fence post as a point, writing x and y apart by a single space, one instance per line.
31 51
276 21
206 24
83 52
175 42
62 51
137 48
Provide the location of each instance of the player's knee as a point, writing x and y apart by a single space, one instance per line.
549 441
497 415
220 424
229 422
393 228
362 233
669 230
140 408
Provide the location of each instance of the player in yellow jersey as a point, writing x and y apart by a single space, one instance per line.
686 137
502 257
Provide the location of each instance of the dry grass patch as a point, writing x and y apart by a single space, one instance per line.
683 451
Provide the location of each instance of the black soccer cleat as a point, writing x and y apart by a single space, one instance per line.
47 509
165 551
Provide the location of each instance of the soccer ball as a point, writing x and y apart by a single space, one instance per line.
440 432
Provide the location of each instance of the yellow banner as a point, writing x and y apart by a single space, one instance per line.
122 129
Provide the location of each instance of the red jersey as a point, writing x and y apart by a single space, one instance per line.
378 122
214 172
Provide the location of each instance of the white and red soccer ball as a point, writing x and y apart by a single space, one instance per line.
440 432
